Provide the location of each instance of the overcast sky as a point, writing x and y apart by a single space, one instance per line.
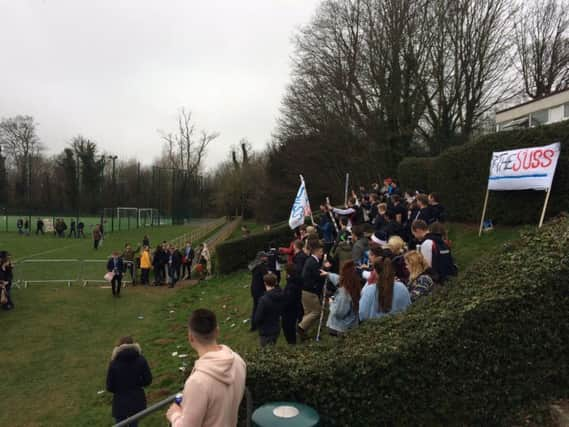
116 71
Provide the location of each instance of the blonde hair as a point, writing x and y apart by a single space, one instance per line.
396 244
416 264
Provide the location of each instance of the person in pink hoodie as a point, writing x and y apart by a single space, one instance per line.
214 389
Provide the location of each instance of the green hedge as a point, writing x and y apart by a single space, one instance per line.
460 176
235 254
473 354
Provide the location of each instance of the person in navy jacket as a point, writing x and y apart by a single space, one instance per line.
115 265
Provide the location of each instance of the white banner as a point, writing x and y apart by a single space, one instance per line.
524 169
300 207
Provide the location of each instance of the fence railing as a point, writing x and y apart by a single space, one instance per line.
198 234
89 271
165 402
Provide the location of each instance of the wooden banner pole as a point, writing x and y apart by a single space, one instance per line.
483 212
548 192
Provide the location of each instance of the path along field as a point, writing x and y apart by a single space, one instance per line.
56 344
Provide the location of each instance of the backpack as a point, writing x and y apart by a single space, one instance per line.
442 262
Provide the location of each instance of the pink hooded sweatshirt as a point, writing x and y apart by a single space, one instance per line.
213 391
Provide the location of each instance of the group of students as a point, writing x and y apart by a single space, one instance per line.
168 263
372 258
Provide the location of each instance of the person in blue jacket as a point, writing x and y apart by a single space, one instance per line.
386 296
115 265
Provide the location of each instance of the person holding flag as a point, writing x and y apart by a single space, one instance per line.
300 207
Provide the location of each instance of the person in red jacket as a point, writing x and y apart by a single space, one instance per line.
289 251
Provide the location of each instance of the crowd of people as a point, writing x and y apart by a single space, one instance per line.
371 258
76 228
167 263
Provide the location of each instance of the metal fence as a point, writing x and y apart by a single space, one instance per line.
165 402
72 271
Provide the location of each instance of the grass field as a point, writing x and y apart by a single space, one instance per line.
58 340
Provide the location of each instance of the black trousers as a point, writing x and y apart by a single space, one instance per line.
116 284
144 273
96 244
255 303
289 322
268 339
129 265
187 269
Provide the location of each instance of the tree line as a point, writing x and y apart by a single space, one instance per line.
375 81
83 178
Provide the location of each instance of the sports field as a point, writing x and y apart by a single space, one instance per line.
57 342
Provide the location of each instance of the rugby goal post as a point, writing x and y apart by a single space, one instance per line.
127 218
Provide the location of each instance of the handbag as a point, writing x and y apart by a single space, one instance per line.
109 276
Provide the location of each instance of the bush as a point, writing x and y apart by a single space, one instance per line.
473 354
460 176
237 253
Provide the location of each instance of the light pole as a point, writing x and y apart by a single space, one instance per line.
114 179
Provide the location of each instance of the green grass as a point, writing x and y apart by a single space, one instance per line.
56 344
253 227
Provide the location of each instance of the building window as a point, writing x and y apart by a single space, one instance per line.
540 117
567 110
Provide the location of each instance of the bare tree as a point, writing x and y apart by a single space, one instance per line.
186 147
542 44
468 62
18 136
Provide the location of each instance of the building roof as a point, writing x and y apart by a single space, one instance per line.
532 101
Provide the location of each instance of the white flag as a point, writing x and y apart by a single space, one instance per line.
300 207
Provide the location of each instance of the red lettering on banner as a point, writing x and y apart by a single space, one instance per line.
536 158
548 154
518 164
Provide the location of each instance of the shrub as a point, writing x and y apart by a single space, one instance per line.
237 253
473 354
460 176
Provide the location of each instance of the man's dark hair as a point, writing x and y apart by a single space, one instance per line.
313 245
435 197
358 231
270 280
419 224
391 215
395 198
344 221
203 324
423 199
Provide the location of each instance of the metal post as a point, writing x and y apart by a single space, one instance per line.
483 212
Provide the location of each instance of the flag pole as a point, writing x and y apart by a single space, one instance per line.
306 190
483 212
346 189
547 193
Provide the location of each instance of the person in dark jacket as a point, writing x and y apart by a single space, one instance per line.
174 265
127 376
258 268
269 311
157 266
6 276
438 212
312 284
115 265
292 303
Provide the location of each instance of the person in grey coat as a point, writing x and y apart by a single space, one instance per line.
344 304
